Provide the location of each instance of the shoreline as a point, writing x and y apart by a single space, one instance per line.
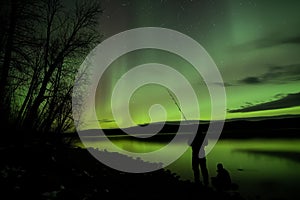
49 172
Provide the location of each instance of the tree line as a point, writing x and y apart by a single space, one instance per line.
42 45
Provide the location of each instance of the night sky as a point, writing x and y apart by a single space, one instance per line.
255 45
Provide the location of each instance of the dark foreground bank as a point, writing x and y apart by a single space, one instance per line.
48 172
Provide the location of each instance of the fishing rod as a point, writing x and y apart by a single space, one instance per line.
176 103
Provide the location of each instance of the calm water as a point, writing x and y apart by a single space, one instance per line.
259 176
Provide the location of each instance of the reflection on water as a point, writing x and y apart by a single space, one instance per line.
263 168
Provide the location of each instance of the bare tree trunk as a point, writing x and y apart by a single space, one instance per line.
50 116
28 99
32 115
4 105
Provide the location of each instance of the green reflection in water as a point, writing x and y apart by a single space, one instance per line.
267 168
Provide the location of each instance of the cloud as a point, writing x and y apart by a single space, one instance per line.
251 80
106 120
276 74
290 100
266 42
223 84
219 84
291 40
283 73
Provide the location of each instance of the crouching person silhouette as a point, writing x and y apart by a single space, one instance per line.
199 158
222 181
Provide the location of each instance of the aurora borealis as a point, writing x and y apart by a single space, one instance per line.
255 45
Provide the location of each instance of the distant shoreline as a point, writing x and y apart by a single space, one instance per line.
275 128
93 135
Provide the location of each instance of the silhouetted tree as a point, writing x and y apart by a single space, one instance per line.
7 42
45 42
16 27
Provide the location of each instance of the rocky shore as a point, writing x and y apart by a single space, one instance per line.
64 172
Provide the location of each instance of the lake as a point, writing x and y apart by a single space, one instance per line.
263 168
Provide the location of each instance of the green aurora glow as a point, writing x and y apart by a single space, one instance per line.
255 45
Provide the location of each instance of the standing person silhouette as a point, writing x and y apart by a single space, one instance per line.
199 158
